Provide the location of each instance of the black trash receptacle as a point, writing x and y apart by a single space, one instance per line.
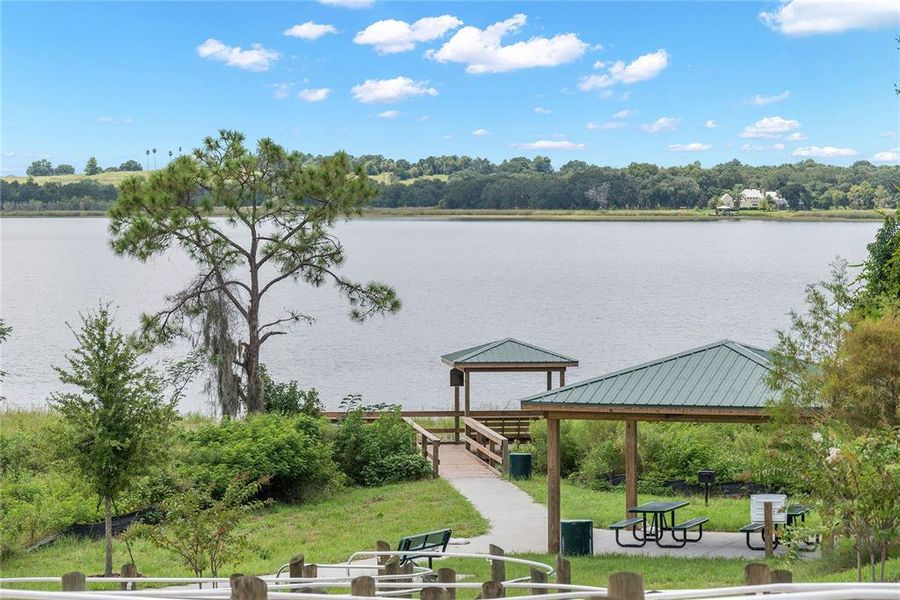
576 537
519 465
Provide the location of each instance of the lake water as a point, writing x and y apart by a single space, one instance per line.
610 294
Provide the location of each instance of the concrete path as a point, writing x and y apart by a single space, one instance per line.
519 524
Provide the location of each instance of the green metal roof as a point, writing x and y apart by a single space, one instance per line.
507 351
724 374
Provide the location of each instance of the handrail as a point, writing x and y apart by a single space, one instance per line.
421 430
485 430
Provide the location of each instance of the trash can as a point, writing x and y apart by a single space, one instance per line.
576 537
519 465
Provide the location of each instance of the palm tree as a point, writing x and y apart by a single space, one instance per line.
148 160
179 150
170 156
154 158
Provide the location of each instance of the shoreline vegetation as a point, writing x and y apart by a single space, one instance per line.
485 214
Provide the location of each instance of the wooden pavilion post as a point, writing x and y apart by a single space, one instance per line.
553 492
630 465
562 377
549 380
456 417
466 395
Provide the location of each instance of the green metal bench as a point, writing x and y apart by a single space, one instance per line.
629 524
423 542
695 523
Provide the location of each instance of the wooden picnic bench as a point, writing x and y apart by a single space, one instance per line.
423 542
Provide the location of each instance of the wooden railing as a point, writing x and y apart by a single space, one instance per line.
487 445
428 440
514 425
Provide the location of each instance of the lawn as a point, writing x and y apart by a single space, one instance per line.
604 508
326 530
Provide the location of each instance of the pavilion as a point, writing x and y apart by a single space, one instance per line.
722 382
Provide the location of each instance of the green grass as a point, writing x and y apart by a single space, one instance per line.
111 178
326 530
604 508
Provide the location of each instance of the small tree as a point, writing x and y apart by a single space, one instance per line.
201 530
5 330
91 167
116 426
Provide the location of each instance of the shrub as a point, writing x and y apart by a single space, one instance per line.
380 453
570 453
292 453
288 398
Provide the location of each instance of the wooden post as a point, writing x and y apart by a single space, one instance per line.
312 572
768 529
781 576
382 546
538 576
630 465
436 459
625 586
392 566
466 390
433 593
549 380
562 378
504 453
448 575
232 579
362 586
73 582
563 572
553 496
407 569
491 589
456 416
249 588
498 567
757 574
129 570
424 447
295 570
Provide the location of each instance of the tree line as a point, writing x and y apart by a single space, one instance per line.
463 182
44 168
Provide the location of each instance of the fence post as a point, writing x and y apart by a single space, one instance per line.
232 579
433 593
249 588
491 589
538 576
498 567
504 452
311 572
757 574
73 582
781 576
448 575
563 572
435 459
382 546
625 586
768 529
362 586
129 570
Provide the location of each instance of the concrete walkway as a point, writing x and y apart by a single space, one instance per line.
519 524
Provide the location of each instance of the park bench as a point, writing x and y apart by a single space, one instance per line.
690 524
757 517
629 524
433 541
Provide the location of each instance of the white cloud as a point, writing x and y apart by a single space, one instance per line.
349 3
889 134
423 118
606 125
309 30
796 137
106 120
760 100
388 114
390 35
887 156
661 124
481 132
256 58
692 147
624 114
809 17
551 145
314 94
599 64
391 90
769 127
482 50
642 68
824 152
281 90
710 124
778 146
542 111
755 148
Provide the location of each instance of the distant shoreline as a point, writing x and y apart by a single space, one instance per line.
661 215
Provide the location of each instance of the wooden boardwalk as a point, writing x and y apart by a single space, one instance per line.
458 462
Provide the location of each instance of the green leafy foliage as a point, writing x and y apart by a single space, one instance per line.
288 399
380 453
292 454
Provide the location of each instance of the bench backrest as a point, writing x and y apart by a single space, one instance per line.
757 507
431 541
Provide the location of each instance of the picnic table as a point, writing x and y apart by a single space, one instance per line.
657 518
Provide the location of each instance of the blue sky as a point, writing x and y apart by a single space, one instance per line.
608 83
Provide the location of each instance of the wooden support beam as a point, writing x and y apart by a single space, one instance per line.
562 377
630 465
456 417
549 380
553 483
467 392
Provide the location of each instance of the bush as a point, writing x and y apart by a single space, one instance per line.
570 453
380 453
292 452
288 398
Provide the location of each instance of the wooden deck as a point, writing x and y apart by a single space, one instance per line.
457 462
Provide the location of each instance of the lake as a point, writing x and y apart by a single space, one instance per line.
610 294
